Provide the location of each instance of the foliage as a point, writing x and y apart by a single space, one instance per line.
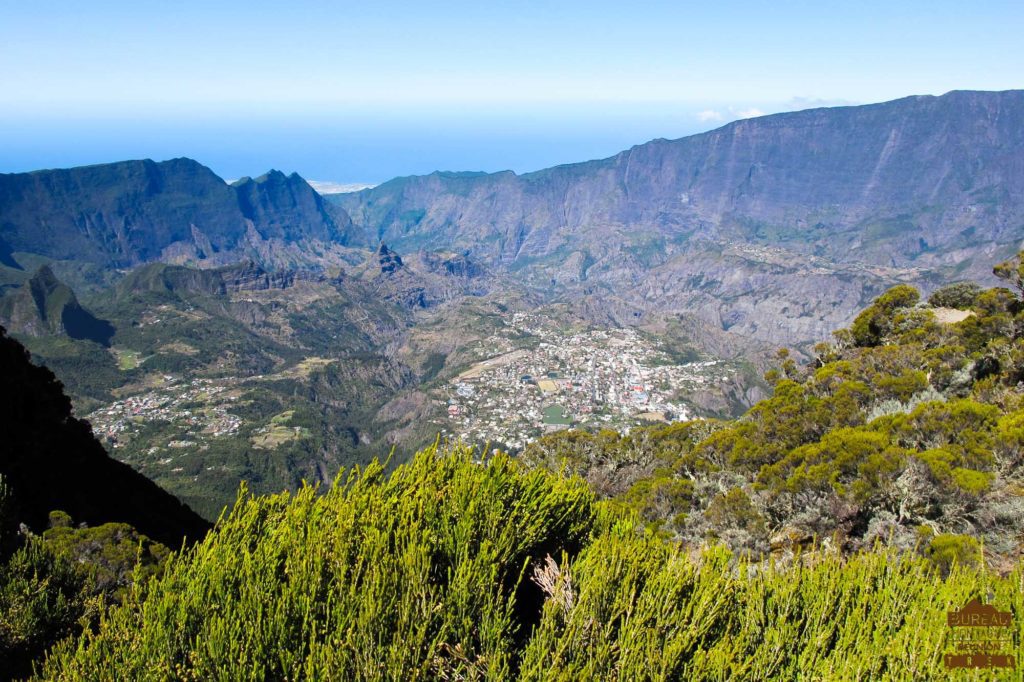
420 574
52 587
108 557
42 600
455 569
960 295
1012 270
874 323
947 550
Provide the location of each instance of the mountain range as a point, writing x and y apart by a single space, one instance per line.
775 229
257 329
908 183
133 212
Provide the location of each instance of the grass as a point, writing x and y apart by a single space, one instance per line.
279 432
127 359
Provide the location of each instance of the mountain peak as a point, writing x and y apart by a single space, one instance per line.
389 260
45 305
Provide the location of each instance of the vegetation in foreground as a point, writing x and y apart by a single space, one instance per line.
453 569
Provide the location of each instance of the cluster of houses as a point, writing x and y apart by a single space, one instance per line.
198 407
609 378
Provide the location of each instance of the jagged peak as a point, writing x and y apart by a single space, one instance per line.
389 260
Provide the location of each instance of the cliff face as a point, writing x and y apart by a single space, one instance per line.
132 212
286 207
775 229
913 181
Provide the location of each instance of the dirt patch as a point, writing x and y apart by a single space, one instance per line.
951 315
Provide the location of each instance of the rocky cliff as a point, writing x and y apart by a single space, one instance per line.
244 276
916 181
132 212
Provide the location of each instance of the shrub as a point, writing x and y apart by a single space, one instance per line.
946 550
41 601
872 325
960 295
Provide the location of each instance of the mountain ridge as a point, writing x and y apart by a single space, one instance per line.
623 179
763 232
131 212
55 463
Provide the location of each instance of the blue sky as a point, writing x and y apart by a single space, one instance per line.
359 92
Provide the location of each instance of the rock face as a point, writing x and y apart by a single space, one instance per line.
909 182
452 264
132 212
45 305
244 276
389 261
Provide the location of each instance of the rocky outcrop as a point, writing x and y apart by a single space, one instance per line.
44 305
452 264
244 276
389 261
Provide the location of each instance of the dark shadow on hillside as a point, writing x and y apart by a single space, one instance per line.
82 325
7 256
50 460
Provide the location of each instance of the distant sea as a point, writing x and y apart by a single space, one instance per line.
363 150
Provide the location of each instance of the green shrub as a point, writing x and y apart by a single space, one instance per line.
42 600
960 295
946 550
872 325
420 575
450 569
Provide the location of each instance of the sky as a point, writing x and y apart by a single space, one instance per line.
359 92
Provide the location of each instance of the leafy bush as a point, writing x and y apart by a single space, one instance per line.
452 569
947 550
42 600
960 295
416 576
874 323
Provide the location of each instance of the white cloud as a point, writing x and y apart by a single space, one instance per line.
709 115
750 113
328 187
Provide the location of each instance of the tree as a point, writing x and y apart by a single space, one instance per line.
1012 271
875 322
